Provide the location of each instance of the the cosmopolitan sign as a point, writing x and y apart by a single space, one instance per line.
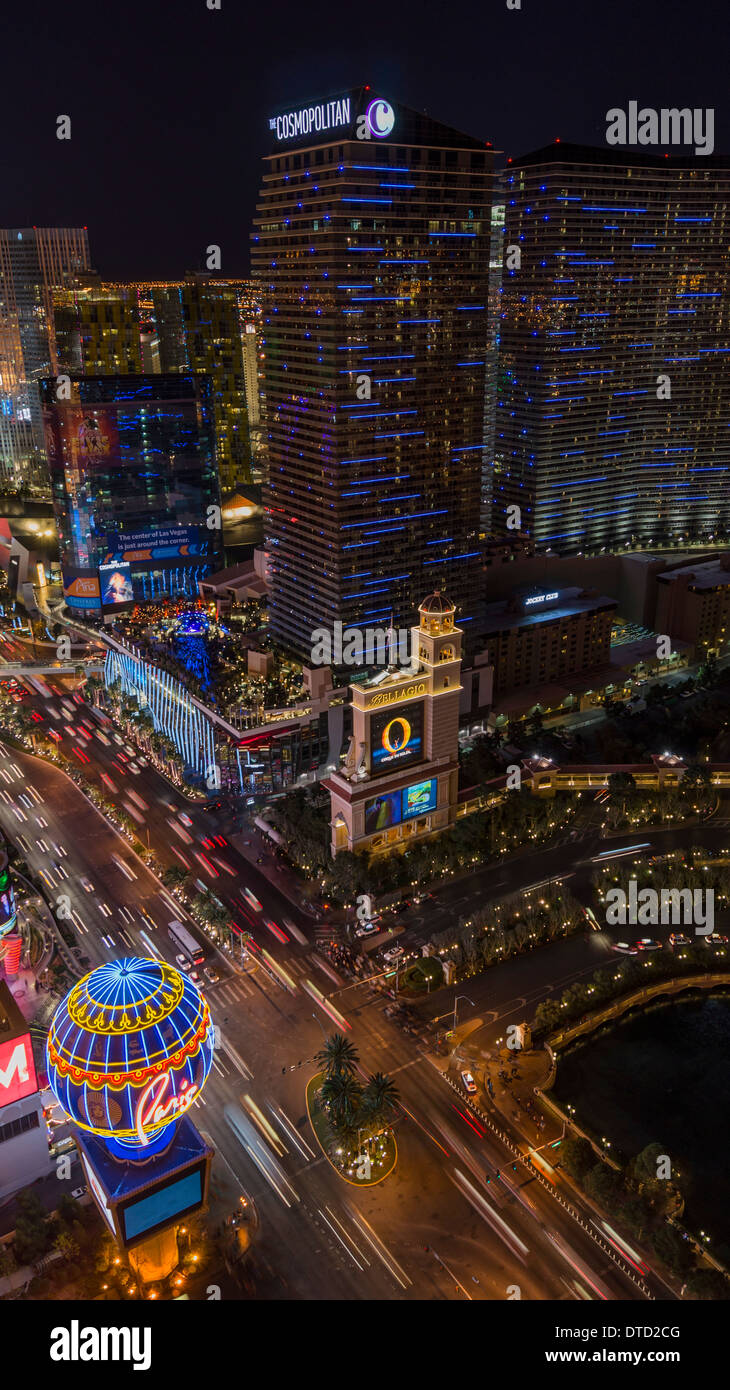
540 598
325 116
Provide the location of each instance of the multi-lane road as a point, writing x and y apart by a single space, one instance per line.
436 1228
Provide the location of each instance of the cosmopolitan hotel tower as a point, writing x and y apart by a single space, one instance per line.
614 390
371 250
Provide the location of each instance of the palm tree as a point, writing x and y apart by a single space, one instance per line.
338 1056
379 1100
341 1094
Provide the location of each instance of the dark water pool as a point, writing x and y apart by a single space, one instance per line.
663 1075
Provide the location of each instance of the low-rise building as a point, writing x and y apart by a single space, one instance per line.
693 603
538 637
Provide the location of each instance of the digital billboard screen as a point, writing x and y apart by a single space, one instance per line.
396 738
81 437
163 542
419 798
115 582
81 588
160 1207
381 812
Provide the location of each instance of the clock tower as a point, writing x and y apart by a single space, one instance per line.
399 780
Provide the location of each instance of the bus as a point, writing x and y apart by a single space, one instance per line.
186 943
543 1167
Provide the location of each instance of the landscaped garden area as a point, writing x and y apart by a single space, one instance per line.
351 1120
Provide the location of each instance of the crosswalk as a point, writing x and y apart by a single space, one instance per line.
241 987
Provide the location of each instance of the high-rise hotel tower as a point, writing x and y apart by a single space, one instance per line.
33 262
614 368
371 250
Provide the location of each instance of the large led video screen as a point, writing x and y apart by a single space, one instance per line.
381 812
115 582
419 798
160 1207
396 738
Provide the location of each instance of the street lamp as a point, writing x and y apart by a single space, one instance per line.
319 1021
456 1003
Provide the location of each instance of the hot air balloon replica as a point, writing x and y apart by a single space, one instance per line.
129 1051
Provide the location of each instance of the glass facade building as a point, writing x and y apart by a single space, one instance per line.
371 252
200 329
33 262
134 487
614 388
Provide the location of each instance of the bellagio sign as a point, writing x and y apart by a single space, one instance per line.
17 1070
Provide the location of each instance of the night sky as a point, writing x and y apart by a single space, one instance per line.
169 101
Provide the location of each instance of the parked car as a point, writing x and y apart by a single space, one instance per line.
78 1192
468 1082
394 953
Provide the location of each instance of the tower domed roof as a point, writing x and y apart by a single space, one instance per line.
436 603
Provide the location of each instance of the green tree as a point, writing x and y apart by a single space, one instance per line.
32 1232
576 1156
708 1284
603 1184
65 1244
645 1163
341 1093
338 1056
672 1250
379 1101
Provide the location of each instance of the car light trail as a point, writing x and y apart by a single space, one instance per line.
325 968
618 1243
276 931
492 1218
279 971
325 1005
577 1265
151 946
264 1126
381 1250
618 853
426 1131
468 1120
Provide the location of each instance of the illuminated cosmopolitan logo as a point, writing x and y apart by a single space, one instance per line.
380 117
129 1051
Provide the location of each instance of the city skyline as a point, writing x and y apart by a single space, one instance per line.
557 75
365 677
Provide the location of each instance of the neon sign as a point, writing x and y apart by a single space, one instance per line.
380 117
129 1051
324 116
153 1110
540 598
